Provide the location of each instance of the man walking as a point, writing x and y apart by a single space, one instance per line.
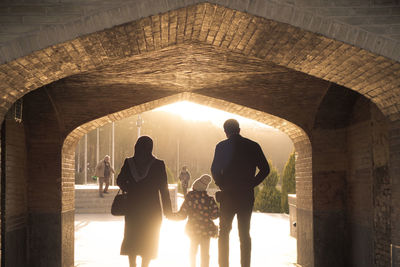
233 169
103 172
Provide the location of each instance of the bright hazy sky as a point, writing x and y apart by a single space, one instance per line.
195 112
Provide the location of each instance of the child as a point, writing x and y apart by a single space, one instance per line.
201 209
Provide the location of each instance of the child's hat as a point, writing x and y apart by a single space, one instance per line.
202 183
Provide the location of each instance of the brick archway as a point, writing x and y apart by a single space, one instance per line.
299 138
197 30
374 76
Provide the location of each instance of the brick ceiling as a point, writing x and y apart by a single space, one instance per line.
196 68
183 68
214 51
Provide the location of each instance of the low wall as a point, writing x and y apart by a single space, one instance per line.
87 198
292 215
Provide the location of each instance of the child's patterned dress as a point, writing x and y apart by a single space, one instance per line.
201 209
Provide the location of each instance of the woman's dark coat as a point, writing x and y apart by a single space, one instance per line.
142 224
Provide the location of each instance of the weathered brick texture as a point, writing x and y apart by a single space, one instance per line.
33 25
369 190
16 176
394 173
220 27
15 209
304 205
328 187
68 180
277 73
359 192
351 185
45 194
382 191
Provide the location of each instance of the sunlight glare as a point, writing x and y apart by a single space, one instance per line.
195 112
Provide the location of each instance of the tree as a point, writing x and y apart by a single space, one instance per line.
268 197
288 182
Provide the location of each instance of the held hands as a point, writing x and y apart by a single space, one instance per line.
173 216
168 214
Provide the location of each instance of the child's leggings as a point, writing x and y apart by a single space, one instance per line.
204 243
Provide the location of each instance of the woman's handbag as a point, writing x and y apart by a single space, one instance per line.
120 205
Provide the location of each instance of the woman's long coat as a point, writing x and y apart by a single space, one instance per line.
142 224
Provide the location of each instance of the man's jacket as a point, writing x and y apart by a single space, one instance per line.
236 160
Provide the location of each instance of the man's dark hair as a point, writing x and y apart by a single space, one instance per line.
231 126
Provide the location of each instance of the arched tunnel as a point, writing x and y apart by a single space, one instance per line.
336 101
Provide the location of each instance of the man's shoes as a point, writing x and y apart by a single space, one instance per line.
101 195
105 192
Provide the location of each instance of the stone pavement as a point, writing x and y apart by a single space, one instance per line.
98 238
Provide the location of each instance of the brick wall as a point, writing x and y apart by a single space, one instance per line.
304 206
68 179
15 210
351 184
394 163
292 215
330 164
368 188
48 224
68 209
359 192
329 175
382 191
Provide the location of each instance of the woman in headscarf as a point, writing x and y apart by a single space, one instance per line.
145 179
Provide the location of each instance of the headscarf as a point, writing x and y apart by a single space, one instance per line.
143 158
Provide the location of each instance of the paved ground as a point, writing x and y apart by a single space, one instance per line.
98 238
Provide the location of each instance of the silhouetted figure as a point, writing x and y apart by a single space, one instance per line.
103 172
201 209
234 172
144 178
184 177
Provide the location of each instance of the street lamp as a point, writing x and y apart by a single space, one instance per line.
139 123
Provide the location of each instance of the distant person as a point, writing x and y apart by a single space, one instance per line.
201 209
184 177
233 169
144 179
103 172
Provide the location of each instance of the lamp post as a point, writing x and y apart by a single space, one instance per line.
97 145
139 123
113 149
85 159
177 157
